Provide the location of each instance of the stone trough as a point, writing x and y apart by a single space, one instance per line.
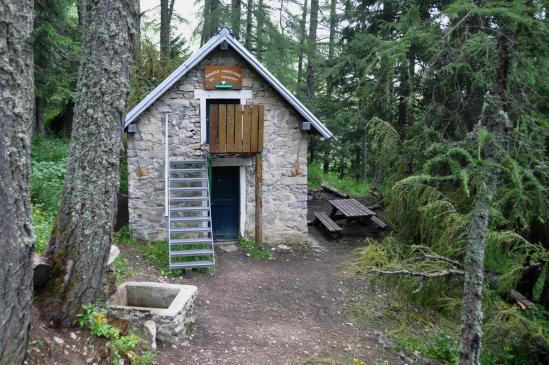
170 306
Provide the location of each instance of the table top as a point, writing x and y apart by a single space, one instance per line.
351 208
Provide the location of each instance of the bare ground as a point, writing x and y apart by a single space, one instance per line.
293 309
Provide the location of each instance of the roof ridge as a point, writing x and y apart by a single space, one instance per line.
222 35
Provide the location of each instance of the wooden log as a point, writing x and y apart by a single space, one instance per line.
258 200
333 190
520 300
41 271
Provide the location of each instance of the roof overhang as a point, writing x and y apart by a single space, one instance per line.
224 35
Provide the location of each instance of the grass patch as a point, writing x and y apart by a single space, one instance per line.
252 250
123 269
315 177
156 253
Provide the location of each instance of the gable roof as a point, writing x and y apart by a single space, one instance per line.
225 35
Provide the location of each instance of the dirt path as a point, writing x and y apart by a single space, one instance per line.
291 310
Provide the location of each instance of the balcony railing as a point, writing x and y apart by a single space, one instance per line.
236 128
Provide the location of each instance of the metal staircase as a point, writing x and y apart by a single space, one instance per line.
188 213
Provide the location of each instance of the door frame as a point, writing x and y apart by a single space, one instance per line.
242 163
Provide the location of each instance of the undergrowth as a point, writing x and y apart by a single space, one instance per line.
156 253
125 347
252 250
354 187
49 163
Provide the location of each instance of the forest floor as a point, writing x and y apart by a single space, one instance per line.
307 307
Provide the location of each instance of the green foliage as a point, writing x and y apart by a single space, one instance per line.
252 250
56 47
374 255
439 345
151 69
49 160
385 143
94 319
131 346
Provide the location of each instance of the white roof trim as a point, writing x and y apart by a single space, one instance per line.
225 35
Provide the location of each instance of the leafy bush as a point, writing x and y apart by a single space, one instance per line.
131 346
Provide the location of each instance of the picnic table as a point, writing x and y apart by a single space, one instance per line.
351 209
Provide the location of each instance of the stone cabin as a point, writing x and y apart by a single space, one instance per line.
236 89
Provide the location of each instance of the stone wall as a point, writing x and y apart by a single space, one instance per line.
284 167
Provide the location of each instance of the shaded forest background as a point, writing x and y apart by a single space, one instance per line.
405 86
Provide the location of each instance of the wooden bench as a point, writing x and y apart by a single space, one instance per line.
327 222
378 222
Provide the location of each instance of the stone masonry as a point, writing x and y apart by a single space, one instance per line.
284 167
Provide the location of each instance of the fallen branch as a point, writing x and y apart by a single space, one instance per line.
432 274
333 190
443 259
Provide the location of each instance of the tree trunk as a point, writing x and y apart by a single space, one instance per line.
214 17
311 55
260 16
495 120
206 26
249 24
331 45
82 234
236 6
17 117
40 124
164 29
302 37
471 320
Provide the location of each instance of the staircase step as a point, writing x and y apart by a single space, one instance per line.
189 170
196 252
192 188
188 179
190 230
189 198
189 209
190 219
191 264
190 241
176 161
